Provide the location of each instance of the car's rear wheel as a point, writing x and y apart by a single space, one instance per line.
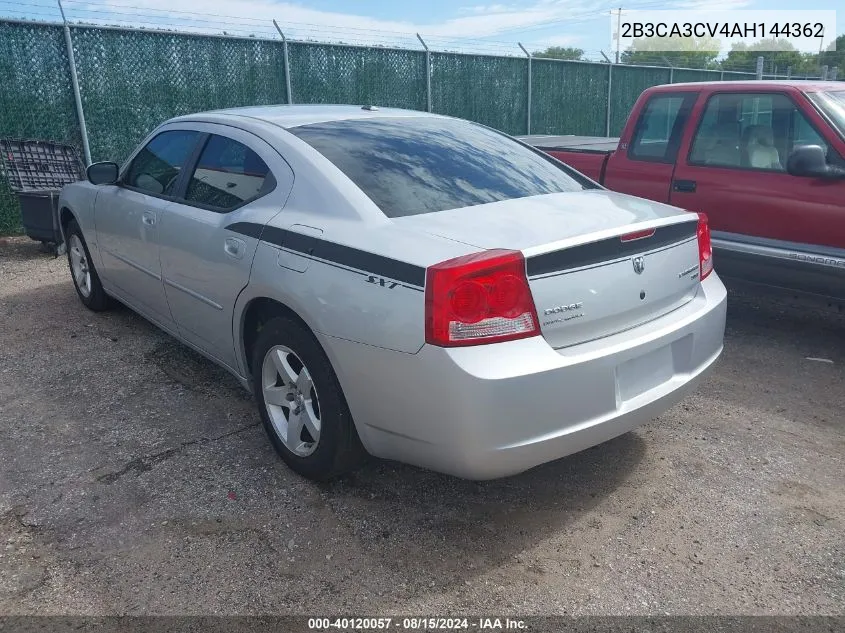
82 270
301 402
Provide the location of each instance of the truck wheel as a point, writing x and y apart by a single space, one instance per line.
301 402
82 271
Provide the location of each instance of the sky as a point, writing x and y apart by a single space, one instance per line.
465 25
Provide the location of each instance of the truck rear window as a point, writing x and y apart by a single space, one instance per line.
414 165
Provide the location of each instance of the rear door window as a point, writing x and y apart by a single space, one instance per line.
657 135
227 175
413 165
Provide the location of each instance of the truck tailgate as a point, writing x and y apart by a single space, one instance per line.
586 154
568 142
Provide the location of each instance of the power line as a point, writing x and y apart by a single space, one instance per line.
579 17
141 14
195 22
130 15
242 24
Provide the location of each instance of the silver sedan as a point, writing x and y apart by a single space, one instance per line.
412 286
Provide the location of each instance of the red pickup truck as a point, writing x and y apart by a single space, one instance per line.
763 159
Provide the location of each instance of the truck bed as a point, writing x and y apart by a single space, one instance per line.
572 143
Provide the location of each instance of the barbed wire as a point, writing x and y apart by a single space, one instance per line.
126 14
122 13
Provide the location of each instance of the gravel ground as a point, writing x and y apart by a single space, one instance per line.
135 479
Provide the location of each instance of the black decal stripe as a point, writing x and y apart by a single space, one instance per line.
378 264
292 241
333 252
346 268
608 250
250 229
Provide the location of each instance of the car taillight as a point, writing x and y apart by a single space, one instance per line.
477 299
705 248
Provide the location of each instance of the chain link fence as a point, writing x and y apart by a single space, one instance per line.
489 90
130 80
323 73
36 98
569 97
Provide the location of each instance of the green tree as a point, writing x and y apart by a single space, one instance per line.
778 55
561 52
835 58
688 53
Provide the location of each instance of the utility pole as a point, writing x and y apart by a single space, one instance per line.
286 63
427 73
618 32
74 82
528 122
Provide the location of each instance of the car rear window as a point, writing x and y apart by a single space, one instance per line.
414 165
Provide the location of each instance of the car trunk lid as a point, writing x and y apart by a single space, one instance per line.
605 286
598 263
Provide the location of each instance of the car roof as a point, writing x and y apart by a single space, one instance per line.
290 116
804 85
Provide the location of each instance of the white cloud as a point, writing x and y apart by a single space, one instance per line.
562 40
480 21
537 23
712 5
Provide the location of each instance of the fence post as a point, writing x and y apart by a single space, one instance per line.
528 123
671 75
722 76
760 61
833 73
789 72
824 72
77 95
609 91
427 73
286 63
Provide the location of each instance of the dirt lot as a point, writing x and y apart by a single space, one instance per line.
135 478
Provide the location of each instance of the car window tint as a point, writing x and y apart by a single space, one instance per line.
414 165
227 174
155 169
803 133
756 131
717 139
832 104
657 133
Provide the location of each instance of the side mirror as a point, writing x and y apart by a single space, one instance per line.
809 161
103 173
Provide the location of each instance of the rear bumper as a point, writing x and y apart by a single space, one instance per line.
491 411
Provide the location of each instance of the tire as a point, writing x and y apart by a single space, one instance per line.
83 273
283 351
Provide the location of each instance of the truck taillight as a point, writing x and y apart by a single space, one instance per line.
477 299
705 248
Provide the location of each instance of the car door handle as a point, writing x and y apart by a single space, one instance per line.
149 219
685 186
234 247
